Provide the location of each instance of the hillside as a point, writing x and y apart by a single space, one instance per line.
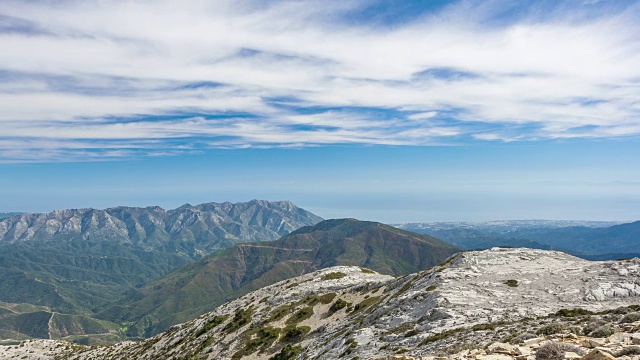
461 307
201 286
75 261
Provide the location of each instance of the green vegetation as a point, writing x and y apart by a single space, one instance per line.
573 312
629 318
555 351
265 337
295 334
333 276
628 351
313 300
337 306
431 288
511 283
301 315
240 319
365 304
552 328
367 271
217 320
288 352
602 332
280 312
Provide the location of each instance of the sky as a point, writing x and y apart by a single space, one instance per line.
394 111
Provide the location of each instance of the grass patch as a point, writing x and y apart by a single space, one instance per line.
240 319
573 312
280 312
293 334
551 329
440 336
334 276
288 352
313 300
629 318
265 337
431 288
337 306
217 320
365 304
367 271
300 315
511 283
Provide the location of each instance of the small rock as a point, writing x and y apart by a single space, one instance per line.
635 339
405 357
598 355
593 342
523 351
501 348
571 355
493 357
534 341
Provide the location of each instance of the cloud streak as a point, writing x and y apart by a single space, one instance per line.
95 80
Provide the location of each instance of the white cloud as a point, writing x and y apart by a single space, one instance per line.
88 68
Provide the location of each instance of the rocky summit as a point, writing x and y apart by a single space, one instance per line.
486 305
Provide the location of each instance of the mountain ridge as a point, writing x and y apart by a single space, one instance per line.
75 261
247 267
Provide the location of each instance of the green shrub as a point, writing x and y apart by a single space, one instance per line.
334 276
552 328
512 283
554 350
240 319
411 333
366 303
217 320
628 351
301 315
295 334
573 312
483 327
431 288
288 352
367 271
602 332
338 305
520 338
629 318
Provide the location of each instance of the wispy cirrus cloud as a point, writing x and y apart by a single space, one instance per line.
97 80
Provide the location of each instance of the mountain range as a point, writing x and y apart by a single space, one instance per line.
76 261
602 240
199 287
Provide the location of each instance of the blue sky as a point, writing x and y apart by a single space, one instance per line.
383 110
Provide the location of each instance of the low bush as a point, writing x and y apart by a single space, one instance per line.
552 328
288 352
300 315
338 305
519 339
628 351
334 276
512 283
629 318
602 332
555 351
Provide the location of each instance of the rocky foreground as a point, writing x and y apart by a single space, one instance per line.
487 305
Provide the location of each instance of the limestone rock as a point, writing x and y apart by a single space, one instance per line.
598 355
